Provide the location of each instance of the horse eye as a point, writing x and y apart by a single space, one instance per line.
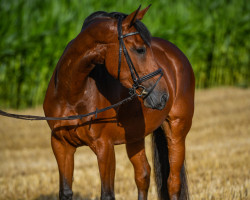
141 50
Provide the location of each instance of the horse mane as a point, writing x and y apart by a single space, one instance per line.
140 27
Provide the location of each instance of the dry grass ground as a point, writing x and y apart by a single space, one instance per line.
218 149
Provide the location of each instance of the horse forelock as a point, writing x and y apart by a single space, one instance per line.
140 27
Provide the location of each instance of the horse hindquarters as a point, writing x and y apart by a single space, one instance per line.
162 167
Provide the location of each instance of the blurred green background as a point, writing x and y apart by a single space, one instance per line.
213 34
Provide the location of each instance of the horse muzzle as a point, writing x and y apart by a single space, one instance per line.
156 100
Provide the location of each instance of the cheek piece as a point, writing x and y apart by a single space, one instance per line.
137 80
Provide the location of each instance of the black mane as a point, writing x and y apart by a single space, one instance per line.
140 27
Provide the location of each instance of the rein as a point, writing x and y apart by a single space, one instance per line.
137 80
72 117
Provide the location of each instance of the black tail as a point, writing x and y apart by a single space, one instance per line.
162 167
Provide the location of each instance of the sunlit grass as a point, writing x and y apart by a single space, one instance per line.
218 149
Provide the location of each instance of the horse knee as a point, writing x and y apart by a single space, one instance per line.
143 177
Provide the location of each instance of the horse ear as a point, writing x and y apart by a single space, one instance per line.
136 15
143 12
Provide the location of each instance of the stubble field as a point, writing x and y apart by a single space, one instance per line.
218 161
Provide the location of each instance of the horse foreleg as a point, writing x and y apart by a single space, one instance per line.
137 156
176 132
64 153
106 162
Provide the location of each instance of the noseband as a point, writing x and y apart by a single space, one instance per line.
137 80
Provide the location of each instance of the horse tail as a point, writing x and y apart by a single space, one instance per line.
162 167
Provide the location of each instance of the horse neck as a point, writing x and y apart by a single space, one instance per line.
79 58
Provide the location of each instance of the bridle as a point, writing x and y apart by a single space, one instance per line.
137 80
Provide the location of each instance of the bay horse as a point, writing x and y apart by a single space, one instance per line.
113 56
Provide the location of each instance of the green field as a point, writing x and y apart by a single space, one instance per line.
214 34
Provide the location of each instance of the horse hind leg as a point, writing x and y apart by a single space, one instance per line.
64 153
169 154
137 156
176 131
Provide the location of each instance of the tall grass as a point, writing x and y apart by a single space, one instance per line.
33 34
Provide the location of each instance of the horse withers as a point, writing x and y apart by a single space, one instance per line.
113 57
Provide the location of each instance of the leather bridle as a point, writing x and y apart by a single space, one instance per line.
137 80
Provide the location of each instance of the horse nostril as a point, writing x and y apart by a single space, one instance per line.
156 100
164 98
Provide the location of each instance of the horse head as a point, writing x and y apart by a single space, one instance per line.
124 46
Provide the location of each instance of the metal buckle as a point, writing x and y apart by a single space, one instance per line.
143 92
132 91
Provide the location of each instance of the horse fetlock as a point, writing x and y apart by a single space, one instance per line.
65 194
107 196
174 197
174 187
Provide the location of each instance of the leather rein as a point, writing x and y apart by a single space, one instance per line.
137 80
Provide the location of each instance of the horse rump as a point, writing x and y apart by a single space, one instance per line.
162 167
